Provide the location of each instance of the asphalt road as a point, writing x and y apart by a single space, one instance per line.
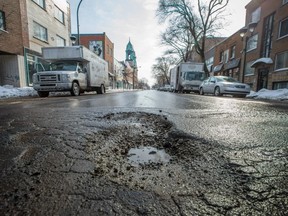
143 153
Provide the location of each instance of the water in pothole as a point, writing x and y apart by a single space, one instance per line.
147 155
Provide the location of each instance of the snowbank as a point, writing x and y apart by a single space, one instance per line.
8 91
279 94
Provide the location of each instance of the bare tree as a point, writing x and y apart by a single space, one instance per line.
200 20
160 70
178 40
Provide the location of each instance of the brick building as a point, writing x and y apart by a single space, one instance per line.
25 27
227 56
104 48
258 53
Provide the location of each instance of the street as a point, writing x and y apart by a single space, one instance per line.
143 153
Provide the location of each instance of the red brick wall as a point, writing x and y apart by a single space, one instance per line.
16 35
108 47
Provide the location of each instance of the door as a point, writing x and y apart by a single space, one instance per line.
262 78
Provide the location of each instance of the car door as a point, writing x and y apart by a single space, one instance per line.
211 84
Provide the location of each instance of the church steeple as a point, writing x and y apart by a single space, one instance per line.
130 54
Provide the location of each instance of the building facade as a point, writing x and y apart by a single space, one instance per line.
258 53
25 27
266 62
227 57
104 48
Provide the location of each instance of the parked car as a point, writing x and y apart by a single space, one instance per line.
219 85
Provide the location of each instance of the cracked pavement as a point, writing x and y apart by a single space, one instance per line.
54 165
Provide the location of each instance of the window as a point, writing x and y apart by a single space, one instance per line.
255 16
281 60
252 43
60 41
226 56
40 32
248 69
283 28
279 85
221 56
2 21
285 2
41 3
232 53
59 15
267 41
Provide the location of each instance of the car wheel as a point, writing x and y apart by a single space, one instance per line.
201 92
75 91
217 91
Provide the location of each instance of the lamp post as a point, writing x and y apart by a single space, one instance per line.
243 34
78 41
73 39
134 68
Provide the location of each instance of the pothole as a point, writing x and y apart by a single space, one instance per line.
147 155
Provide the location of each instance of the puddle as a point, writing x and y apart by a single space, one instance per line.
146 155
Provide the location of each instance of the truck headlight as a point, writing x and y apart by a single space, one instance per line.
35 78
65 77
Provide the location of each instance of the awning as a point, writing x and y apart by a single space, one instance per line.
232 64
262 61
218 68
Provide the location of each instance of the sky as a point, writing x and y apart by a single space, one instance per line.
9 91
136 20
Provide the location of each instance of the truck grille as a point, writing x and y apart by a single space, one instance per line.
48 78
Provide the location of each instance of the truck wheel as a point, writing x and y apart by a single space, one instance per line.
217 91
101 90
75 91
43 93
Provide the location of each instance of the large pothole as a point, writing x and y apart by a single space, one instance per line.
144 151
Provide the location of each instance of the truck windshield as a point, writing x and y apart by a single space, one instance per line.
63 66
194 75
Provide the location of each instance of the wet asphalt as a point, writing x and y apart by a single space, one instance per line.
143 153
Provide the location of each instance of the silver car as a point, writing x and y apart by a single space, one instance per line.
219 85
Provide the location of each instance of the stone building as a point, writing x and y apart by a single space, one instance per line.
25 27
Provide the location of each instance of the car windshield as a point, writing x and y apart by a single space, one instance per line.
63 66
194 75
226 79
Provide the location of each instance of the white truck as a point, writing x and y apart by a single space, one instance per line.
186 77
72 68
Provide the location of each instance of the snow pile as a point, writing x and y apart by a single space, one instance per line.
8 91
279 94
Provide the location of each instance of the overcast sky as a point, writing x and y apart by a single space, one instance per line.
135 19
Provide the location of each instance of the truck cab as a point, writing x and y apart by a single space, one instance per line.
63 75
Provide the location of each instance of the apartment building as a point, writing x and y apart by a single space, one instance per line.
258 53
25 27
227 56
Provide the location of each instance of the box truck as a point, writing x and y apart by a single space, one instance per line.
72 68
186 77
